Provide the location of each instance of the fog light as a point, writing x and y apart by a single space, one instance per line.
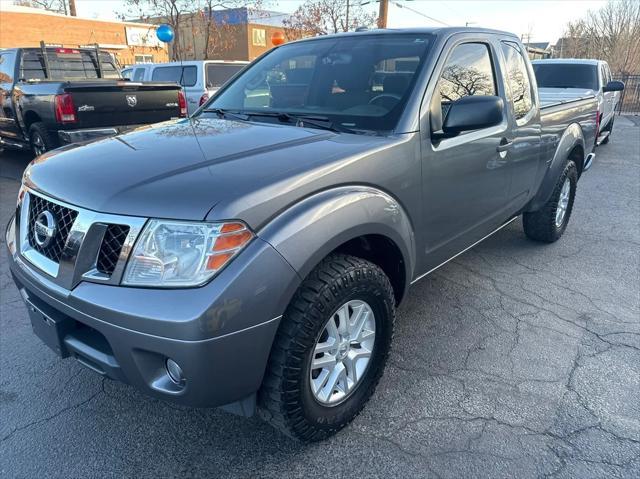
175 372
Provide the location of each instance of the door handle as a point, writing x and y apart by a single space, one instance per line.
504 145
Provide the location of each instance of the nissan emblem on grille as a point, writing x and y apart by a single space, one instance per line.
45 228
132 100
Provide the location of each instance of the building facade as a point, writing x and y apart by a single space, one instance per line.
129 42
230 34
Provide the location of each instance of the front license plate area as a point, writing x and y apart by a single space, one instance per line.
50 330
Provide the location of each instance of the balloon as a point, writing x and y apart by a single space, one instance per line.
277 38
165 33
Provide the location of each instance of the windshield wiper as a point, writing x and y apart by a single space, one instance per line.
221 112
316 121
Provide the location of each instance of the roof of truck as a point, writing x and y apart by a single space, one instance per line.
425 30
583 61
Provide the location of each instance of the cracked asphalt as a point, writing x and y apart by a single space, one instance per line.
514 360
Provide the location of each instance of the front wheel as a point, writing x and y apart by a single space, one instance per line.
330 350
610 128
549 223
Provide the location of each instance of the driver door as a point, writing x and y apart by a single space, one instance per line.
465 178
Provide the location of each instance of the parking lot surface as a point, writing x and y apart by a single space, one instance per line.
514 360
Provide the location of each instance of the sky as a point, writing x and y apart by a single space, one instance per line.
541 20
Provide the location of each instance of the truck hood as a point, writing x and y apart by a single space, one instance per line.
181 169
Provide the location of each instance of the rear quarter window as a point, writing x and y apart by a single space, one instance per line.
566 75
185 76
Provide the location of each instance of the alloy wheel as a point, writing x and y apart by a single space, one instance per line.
342 353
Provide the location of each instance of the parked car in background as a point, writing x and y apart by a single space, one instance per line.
199 79
563 79
53 96
255 256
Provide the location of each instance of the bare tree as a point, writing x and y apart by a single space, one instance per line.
205 21
611 33
58 6
315 17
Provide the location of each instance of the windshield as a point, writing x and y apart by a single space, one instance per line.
357 82
566 75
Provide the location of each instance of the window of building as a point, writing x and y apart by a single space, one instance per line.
259 37
517 79
143 58
185 76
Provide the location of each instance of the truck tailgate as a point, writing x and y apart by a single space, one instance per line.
100 104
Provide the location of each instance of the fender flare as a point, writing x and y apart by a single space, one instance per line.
311 229
572 137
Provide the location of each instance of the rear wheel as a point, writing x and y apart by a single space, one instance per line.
331 349
549 223
40 139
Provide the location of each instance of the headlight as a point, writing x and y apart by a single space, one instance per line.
180 253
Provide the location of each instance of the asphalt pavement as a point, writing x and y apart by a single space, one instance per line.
514 360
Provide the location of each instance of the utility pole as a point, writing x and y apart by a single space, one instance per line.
72 8
347 20
383 13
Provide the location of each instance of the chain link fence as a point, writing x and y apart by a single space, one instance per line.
630 97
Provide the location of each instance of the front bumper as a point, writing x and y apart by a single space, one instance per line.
220 334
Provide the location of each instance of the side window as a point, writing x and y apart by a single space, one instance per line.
138 74
186 76
127 73
468 72
517 79
7 67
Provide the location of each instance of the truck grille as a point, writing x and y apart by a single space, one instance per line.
64 218
111 247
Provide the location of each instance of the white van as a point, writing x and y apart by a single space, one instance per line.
199 78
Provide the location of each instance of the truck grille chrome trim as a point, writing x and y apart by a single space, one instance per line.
84 246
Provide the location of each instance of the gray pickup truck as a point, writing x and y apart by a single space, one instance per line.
253 256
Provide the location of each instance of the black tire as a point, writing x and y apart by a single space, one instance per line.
285 399
40 139
541 225
610 129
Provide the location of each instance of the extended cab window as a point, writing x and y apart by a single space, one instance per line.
218 74
517 79
468 72
185 76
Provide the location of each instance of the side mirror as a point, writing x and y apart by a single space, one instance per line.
471 113
614 85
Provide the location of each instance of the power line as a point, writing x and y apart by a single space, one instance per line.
399 5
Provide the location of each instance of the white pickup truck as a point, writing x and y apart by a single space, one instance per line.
566 79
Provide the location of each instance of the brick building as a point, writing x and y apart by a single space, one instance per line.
130 42
241 34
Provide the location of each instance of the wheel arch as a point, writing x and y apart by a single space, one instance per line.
357 220
570 147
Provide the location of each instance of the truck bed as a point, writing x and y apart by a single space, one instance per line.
550 97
